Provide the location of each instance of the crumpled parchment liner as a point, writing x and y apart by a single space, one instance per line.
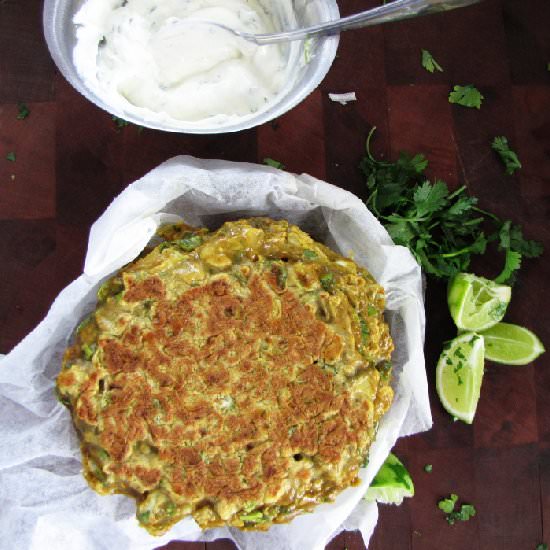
45 502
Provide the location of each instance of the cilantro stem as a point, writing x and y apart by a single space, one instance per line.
481 211
465 250
473 222
369 154
369 137
455 193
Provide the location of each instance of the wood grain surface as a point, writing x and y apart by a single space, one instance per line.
71 160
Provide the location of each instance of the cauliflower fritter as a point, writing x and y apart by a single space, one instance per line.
236 376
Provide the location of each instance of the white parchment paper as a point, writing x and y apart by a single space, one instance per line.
45 502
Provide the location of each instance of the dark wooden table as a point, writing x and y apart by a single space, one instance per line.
71 160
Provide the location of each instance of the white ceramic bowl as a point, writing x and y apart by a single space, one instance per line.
60 32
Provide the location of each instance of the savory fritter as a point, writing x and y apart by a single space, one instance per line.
237 376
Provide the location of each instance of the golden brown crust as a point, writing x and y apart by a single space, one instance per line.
232 376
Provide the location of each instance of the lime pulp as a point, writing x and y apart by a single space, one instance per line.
476 303
511 344
459 374
391 484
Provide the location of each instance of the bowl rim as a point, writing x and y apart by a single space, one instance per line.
326 53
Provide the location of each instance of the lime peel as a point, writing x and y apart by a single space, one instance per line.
391 484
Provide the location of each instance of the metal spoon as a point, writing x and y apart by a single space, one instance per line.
393 11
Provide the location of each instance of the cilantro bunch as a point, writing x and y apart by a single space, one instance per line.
442 229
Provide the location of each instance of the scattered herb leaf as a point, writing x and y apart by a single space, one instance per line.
143 517
466 512
189 242
448 504
429 63
120 122
88 351
467 96
364 330
170 509
282 275
274 163
384 369
428 468
11 156
543 546
309 255
327 281
23 111
508 157
103 454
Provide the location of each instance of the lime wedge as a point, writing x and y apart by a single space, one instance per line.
391 484
511 344
477 303
458 375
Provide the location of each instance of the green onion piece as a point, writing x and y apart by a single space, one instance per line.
364 330
189 242
88 350
143 517
327 281
310 255
253 517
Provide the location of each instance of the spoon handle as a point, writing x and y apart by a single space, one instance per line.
393 11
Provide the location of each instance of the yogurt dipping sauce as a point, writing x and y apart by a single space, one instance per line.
161 61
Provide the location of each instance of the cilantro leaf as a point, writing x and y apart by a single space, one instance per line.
508 157
467 96
448 504
511 236
429 63
461 206
467 511
11 156
274 163
542 545
428 468
416 164
119 122
511 265
23 111
430 198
